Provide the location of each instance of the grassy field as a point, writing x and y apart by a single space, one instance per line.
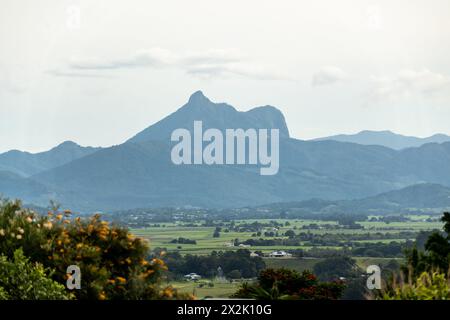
218 290
162 235
364 262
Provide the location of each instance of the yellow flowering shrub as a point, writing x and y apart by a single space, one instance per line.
112 261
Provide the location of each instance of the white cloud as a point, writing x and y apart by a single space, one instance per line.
210 70
224 63
328 75
63 73
203 64
213 56
408 83
155 57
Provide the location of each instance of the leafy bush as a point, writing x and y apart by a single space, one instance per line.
284 283
21 279
424 277
112 261
234 274
436 255
429 286
3 294
336 267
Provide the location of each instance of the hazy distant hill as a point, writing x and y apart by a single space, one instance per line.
387 139
425 196
27 164
15 186
139 173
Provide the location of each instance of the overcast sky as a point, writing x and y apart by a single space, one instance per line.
98 72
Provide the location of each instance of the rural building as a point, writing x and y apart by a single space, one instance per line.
279 254
192 276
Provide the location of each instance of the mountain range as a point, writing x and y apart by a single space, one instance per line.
27 164
387 138
139 172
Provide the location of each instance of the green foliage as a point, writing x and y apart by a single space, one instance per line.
290 233
336 267
274 284
436 255
257 292
21 279
424 276
234 274
112 261
446 219
429 286
3 294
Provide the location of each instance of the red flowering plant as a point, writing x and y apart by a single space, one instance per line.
289 284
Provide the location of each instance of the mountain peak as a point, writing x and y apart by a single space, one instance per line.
220 116
198 98
66 145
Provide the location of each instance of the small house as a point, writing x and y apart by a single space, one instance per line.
280 254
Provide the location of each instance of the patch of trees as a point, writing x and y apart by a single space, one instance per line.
391 249
345 269
387 250
216 233
271 242
389 219
422 238
271 234
287 284
255 226
290 234
315 226
333 239
348 222
336 267
182 240
231 262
